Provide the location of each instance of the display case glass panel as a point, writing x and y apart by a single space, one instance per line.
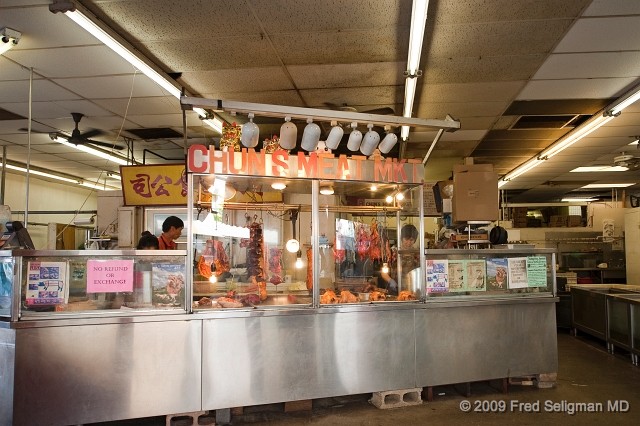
88 282
252 249
6 285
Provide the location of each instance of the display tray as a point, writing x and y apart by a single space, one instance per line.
272 300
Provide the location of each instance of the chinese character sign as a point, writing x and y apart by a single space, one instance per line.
154 185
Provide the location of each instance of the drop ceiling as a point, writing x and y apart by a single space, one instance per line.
500 67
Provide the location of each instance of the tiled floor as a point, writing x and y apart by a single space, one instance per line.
587 374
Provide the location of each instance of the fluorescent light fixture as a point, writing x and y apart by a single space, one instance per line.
97 185
521 169
607 185
574 136
278 186
579 200
600 169
214 123
125 52
92 151
626 100
43 174
115 176
9 39
416 35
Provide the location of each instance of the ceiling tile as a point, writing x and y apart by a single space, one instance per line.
472 92
612 7
121 86
43 90
458 109
590 65
464 11
480 69
497 38
88 61
576 89
352 96
141 106
606 34
281 97
532 144
373 45
237 80
348 75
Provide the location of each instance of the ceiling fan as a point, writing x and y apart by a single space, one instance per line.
627 160
78 138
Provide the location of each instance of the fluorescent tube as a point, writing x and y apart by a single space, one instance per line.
118 160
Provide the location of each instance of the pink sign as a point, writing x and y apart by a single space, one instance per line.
108 276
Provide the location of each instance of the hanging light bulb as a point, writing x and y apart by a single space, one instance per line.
370 141
213 279
299 260
400 196
388 142
326 190
389 199
250 133
288 134
310 136
278 185
385 268
293 245
355 138
374 188
335 136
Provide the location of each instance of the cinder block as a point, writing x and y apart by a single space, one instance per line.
544 385
547 377
397 398
195 415
303 405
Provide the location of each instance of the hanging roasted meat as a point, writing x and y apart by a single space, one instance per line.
220 259
275 265
255 258
362 242
375 247
309 269
206 259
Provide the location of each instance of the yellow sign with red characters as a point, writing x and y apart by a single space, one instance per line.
154 185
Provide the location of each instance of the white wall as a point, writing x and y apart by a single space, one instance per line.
44 195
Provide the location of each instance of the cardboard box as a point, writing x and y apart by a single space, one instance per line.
558 221
475 196
574 221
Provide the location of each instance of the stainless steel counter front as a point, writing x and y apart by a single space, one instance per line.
104 369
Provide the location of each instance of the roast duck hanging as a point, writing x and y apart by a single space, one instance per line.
215 254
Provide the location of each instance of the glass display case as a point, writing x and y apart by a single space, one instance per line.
63 283
256 248
475 273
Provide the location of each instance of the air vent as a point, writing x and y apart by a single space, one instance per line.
8 115
543 121
157 133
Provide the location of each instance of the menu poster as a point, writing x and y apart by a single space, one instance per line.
457 280
497 274
517 272
109 276
475 275
47 283
167 280
537 271
437 276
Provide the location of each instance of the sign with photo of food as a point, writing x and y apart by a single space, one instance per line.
168 280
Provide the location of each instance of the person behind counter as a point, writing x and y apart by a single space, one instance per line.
408 237
171 230
148 241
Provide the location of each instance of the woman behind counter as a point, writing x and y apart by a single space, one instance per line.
409 262
148 241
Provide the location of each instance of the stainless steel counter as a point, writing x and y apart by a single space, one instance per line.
106 369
